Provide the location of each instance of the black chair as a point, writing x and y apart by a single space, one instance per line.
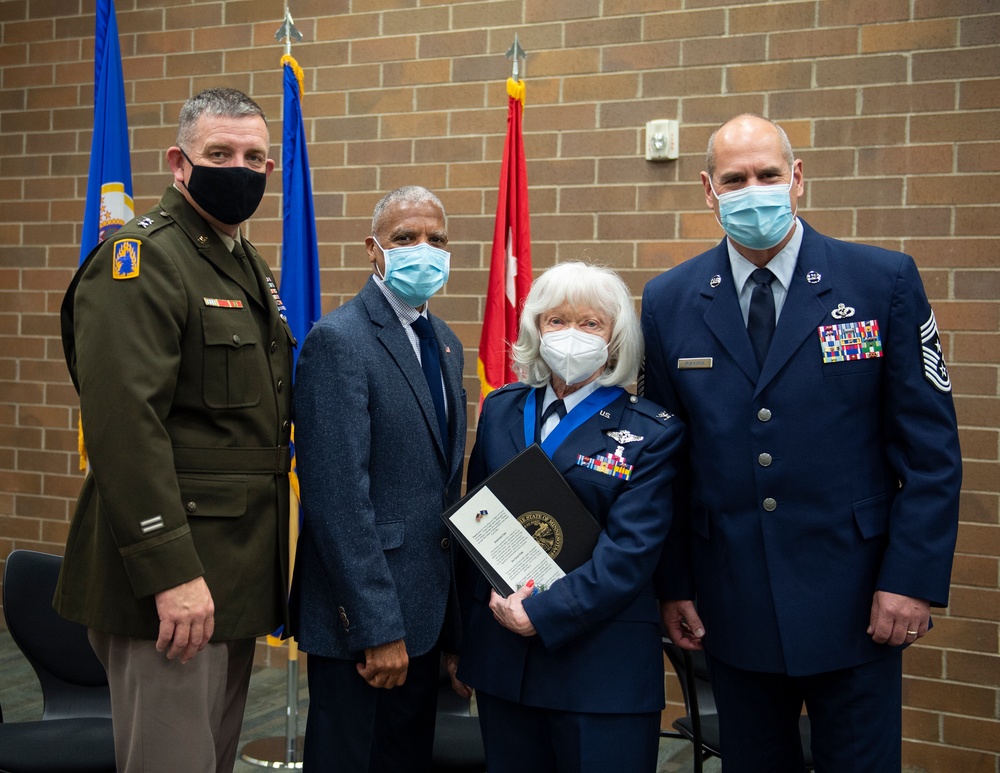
458 744
700 725
74 734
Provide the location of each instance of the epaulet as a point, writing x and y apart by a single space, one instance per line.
649 408
508 390
144 225
514 386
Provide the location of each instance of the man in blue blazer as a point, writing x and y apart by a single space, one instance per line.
380 437
821 510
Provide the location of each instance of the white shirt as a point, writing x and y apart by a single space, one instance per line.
407 315
781 265
569 402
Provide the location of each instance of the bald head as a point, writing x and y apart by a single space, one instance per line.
747 130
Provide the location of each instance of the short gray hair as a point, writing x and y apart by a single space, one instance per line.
786 146
412 194
221 102
580 284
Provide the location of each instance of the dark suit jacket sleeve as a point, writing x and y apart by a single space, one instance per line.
627 550
333 446
922 445
674 577
129 338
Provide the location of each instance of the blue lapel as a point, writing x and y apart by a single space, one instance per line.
723 316
804 309
587 439
453 394
392 336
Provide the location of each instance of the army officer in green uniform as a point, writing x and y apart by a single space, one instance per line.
176 341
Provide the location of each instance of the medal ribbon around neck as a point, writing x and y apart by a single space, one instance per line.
595 401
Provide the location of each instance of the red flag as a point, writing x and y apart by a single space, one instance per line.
510 264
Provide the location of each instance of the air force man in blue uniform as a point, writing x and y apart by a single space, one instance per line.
824 469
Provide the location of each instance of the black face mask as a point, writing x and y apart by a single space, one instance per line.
230 194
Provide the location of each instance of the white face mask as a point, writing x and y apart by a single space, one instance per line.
573 355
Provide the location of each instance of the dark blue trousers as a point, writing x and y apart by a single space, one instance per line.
355 728
855 715
525 739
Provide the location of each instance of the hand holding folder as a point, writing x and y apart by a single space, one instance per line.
524 522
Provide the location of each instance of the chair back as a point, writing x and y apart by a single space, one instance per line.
74 683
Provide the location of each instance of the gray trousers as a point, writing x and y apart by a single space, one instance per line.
171 717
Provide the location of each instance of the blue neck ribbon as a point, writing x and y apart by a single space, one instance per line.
595 401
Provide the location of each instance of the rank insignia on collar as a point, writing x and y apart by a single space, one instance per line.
813 277
715 281
125 264
842 311
664 415
622 436
144 222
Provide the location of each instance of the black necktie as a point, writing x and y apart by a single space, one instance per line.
556 406
760 321
430 361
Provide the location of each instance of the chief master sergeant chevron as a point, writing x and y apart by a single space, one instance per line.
824 463
176 341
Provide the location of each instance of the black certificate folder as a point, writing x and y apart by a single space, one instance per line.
526 495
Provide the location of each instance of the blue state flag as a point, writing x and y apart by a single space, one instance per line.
109 184
299 247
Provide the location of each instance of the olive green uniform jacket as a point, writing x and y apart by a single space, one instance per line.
183 365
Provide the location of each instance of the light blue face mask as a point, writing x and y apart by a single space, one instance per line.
756 216
415 273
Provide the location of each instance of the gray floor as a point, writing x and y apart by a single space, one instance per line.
21 700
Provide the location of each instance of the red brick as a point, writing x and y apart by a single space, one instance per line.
909 36
956 64
933 757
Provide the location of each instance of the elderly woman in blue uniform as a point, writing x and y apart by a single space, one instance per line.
571 679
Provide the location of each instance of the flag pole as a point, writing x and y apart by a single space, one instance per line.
284 753
510 257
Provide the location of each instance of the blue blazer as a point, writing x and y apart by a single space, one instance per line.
811 484
598 643
374 563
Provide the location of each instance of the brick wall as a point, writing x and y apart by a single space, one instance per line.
894 107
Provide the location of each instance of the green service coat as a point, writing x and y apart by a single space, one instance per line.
184 370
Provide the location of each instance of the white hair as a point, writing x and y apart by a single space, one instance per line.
580 284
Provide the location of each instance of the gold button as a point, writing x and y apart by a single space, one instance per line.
764 460
764 414
192 506
770 504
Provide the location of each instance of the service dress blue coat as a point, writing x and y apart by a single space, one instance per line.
597 647
817 479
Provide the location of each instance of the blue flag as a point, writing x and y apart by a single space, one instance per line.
109 184
299 248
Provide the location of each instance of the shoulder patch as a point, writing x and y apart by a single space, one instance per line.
125 264
935 370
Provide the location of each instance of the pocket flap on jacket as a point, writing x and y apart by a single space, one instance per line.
872 514
390 533
218 496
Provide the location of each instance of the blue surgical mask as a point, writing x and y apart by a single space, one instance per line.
756 216
415 273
